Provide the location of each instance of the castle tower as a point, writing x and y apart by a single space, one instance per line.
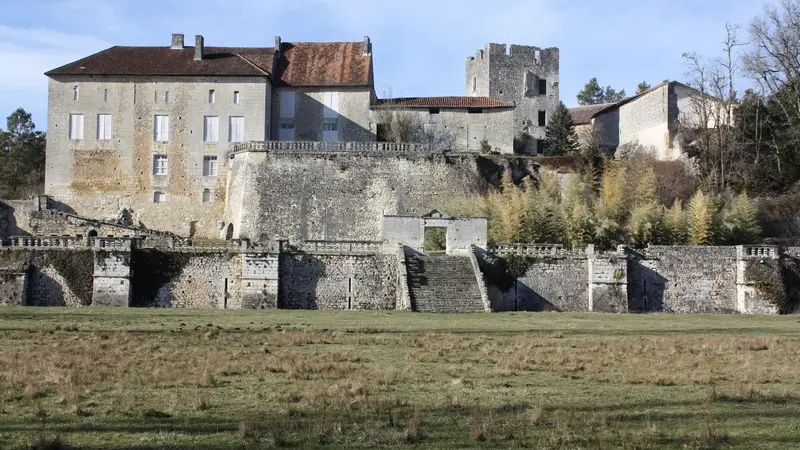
527 76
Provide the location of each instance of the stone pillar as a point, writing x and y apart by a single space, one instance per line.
608 282
112 278
748 299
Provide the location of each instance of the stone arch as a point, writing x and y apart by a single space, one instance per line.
229 232
92 233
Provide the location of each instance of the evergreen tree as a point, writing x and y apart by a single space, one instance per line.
612 96
592 93
560 135
641 87
22 152
675 225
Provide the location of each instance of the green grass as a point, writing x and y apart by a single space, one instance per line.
167 379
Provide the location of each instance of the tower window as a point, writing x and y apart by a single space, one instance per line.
542 87
542 118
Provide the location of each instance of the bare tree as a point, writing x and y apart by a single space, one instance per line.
399 124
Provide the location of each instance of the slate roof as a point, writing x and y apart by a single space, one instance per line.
324 64
299 64
444 102
164 61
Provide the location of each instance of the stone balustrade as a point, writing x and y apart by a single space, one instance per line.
365 247
554 250
336 147
43 242
758 252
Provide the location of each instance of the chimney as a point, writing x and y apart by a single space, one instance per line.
277 45
367 46
198 47
177 42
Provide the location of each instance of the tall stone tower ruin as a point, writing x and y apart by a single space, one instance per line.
526 76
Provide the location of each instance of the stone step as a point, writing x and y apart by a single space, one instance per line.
440 283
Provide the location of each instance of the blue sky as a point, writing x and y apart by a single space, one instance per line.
419 45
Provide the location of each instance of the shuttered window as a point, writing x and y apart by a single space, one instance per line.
104 127
236 129
331 102
161 128
76 126
210 129
287 104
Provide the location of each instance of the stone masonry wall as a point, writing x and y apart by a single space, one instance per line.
13 288
683 279
317 281
207 281
342 196
549 284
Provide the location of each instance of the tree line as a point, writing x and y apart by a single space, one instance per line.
22 157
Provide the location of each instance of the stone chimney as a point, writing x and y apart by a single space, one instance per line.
367 46
277 45
177 42
199 47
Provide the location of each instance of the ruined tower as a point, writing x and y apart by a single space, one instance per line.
525 75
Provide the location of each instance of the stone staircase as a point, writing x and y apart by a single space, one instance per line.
443 283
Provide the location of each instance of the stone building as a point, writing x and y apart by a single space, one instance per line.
659 120
525 76
147 132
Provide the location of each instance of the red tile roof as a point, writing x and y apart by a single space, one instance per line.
444 102
324 64
164 61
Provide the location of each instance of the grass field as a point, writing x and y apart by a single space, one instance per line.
168 379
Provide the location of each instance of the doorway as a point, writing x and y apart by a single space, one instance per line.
435 240
229 232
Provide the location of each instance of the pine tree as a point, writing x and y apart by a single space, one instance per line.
592 93
560 135
643 86
610 95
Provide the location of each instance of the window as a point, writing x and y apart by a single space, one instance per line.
331 102
166 96
474 84
209 166
210 129
530 84
159 164
105 95
433 110
211 96
159 197
104 127
330 130
286 131
235 97
537 56
76 126
542 87
236 129
430 129
75 93
542 118
287 103
206 195
540 146
474 110
161 128
155 96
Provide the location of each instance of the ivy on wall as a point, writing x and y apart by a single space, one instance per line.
774 279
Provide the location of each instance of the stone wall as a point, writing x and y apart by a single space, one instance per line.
343 196
15 217
683 279
513 75
13 287
320 281
549 284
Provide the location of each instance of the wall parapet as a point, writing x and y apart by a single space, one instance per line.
335 147
339 247
473 259
552 250
758 252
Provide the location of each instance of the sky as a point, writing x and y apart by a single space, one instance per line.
419 46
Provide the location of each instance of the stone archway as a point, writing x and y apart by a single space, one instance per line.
461 233
229 232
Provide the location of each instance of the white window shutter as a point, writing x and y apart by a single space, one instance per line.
287 104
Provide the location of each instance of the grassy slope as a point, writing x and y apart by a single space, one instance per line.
147 378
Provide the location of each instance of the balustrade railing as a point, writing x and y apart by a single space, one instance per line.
322 146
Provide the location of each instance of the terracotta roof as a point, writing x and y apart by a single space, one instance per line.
324 64
582 115
444 102
164 61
